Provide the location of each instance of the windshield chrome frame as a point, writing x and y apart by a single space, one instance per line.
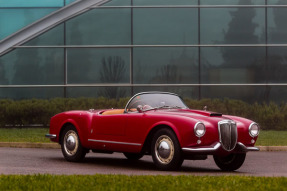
153 92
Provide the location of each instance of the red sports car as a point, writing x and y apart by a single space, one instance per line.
157 124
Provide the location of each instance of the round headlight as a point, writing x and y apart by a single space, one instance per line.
254 129
199 129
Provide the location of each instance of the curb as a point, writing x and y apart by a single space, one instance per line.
57 146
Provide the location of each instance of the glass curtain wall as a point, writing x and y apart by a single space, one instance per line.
196 48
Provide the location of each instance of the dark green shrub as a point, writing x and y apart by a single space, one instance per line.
37 111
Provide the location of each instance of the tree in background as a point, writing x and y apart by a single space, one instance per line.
113 71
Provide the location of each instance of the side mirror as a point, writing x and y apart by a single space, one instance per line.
140 108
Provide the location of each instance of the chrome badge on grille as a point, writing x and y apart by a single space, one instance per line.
227 134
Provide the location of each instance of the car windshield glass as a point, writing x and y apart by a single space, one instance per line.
150 101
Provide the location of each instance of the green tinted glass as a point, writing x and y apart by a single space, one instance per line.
107 92
31 3
232 2
30 93
34 66
98 65
232 25
100 27
164 2
277 25
165 65
165 26
227 65
12 20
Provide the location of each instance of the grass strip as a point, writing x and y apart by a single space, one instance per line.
272 138
123 182
30 135
37 135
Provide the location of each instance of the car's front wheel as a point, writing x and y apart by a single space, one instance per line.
166 150
71 145
230 162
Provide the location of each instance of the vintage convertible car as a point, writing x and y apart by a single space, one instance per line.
158 124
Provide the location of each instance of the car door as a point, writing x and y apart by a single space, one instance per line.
109 132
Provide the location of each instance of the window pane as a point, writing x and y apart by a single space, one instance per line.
12 20
118 3
98 65
69 1
184 92
250 94
165 26
277 2
108 92
54 36
165 65
232 2
100 27
232 25
34 66
277 25
29 93
277 65
165 2
31 3
227 65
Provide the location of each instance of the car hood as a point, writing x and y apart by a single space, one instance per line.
199 115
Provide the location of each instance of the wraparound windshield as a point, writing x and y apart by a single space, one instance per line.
148 101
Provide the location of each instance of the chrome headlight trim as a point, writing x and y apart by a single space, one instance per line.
196 129
250 130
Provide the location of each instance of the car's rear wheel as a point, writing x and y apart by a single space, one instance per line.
133 156
71 145
230 162
166 150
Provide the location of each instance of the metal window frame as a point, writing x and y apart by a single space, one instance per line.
78 7
46 23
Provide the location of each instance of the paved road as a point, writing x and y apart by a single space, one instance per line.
43 161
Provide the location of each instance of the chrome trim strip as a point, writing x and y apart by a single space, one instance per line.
218 145
114 142
206 149
248 148
51 136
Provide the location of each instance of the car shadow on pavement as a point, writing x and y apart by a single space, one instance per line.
123 165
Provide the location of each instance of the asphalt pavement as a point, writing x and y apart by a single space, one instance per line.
51 161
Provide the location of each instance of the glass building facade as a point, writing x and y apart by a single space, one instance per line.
197 48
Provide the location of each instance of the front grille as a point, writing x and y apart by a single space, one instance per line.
227 134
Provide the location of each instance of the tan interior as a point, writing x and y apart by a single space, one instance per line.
113 112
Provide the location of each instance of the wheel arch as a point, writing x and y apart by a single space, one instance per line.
65 125
147 143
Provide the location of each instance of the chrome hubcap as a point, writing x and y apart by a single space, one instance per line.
71 142
164 149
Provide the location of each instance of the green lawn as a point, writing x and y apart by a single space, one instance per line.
272 138
123 182
37 135
31 135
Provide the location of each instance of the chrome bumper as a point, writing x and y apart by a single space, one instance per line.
217 146
51 136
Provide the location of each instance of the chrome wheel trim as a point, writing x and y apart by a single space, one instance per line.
164 149
71 142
